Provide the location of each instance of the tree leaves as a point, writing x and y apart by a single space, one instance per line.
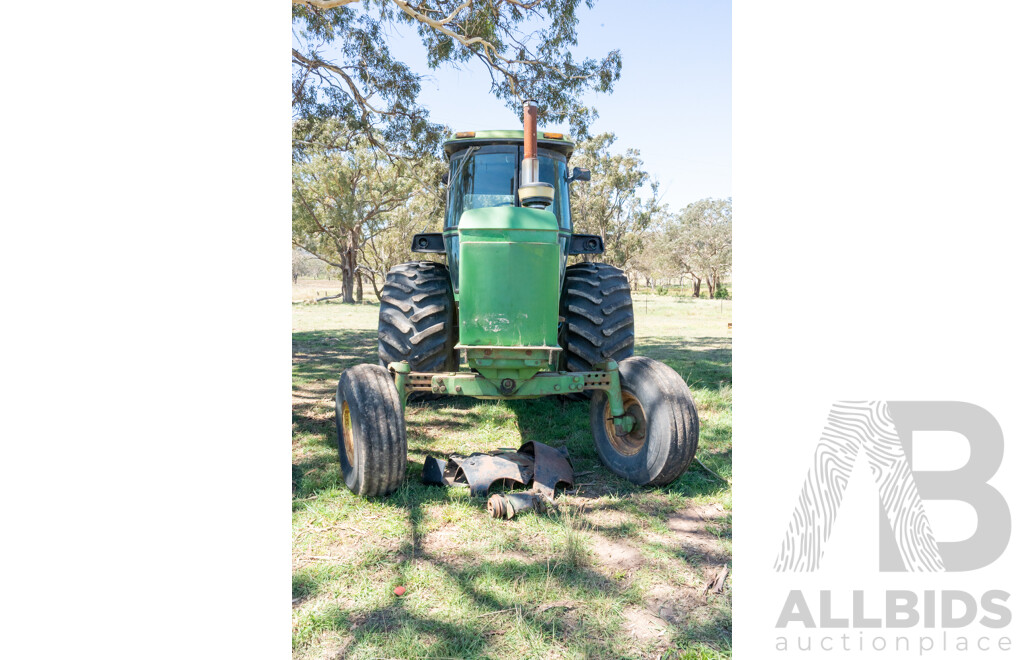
699 240
342 67
612 205
344 193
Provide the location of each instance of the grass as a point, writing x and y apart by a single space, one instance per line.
615 572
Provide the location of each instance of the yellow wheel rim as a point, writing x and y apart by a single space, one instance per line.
631 443
346 431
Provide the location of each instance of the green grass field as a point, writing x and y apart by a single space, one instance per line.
616 572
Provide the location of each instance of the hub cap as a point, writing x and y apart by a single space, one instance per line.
631 443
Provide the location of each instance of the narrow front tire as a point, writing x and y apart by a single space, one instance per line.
371 431
666 429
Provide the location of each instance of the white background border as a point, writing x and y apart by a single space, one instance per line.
877 177
877 174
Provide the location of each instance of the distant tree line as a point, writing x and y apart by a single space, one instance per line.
693 246
356 210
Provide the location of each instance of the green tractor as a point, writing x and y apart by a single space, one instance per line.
507 318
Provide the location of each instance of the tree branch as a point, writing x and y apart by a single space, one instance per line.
306 248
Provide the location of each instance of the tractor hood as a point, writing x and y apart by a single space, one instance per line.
508 277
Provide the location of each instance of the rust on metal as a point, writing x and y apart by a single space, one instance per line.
529 129
551 467
506 505
480 471
536 462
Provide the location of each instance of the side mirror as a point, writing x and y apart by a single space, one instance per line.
433 243
444 178
579 174
585 244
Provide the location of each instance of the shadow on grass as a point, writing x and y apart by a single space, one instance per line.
319 357
474 635
323 354
703 362
483 584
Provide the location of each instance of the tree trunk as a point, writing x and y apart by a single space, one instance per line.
349 254
696 287
711 287
348 276
359 286
346 286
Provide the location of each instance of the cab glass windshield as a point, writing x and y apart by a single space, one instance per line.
488 176
481 177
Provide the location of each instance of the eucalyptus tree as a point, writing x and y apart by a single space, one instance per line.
342 66
422 212
341 199
614 204
700 242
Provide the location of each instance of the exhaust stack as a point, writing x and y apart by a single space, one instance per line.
533 192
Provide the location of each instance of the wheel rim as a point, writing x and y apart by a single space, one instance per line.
631 443
346 432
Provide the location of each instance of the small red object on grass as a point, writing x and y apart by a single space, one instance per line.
399 591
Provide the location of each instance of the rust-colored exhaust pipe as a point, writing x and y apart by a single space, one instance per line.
533 193
530 169
530 129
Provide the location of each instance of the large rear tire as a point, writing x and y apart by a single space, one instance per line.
664 439
371 431
417 318
598 311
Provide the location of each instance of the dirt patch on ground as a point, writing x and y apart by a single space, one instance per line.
616 555
606 517
347 544
672 604
694 520
441 542
644 626
329 647
691 532
449 544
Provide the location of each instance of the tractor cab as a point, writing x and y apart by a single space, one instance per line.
485 170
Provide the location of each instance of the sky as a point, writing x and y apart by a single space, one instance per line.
673 101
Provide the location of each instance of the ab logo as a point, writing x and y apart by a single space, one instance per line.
883 431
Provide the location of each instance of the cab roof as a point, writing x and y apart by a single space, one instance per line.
462 140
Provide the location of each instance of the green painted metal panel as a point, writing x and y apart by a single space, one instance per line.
509 218
508 277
